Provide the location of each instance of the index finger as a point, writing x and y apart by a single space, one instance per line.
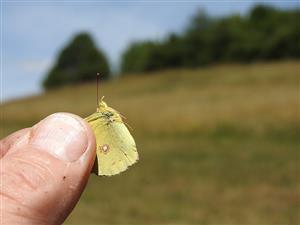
7 142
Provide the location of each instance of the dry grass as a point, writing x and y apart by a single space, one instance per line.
218 145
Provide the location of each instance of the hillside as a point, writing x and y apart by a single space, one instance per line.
218 145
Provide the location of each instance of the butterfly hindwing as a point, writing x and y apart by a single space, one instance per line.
116 149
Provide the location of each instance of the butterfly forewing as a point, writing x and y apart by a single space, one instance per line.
116 149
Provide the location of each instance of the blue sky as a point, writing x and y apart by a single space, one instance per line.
33 32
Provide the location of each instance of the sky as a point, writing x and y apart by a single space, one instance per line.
33 32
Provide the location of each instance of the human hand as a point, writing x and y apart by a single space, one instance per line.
44 170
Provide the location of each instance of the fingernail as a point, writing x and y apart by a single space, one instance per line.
62 135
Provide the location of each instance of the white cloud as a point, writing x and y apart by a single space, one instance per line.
35 66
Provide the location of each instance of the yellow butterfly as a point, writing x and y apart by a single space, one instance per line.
116 149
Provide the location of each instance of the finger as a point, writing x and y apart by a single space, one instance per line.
14 138
43 178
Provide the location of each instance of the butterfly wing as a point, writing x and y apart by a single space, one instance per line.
116 148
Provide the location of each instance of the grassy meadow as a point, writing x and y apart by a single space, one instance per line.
218 145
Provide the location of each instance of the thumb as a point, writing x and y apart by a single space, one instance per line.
45 170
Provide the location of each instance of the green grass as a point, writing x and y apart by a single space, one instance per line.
218 145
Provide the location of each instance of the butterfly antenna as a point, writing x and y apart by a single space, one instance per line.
98 84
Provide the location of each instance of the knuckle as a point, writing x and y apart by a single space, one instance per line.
27 173
23 183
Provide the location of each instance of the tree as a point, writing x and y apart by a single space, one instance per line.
79 61
265 33
141 56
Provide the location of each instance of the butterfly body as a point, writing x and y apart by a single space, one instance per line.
116 148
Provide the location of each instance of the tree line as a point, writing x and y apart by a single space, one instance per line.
265 33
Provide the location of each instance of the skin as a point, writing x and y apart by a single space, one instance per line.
44 170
